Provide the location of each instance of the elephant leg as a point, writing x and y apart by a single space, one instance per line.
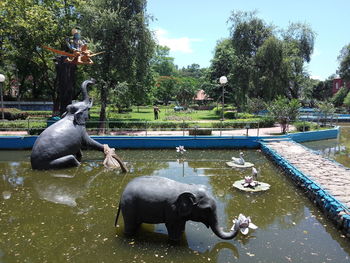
79 155
175 230
64 162
130 227
131 224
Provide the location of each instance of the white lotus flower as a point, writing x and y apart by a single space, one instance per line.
244 223
180 149
249 182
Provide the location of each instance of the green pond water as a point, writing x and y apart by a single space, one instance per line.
68 215
336 149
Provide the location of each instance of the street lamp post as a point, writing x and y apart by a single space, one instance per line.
2 79
223 81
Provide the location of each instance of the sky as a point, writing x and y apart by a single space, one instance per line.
191 28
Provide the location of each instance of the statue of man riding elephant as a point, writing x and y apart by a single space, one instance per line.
59 145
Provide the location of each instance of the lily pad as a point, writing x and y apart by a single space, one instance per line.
235 165
261 187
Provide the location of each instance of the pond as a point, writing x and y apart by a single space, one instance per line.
68 215
336 149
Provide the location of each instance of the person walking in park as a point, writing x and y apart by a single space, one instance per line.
156 111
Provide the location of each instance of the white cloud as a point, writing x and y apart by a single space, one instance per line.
316 77
182 44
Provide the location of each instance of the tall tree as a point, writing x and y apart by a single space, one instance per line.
248 33
338 98
299 44
344 60
161 63
25 26
186 90
270 70
166 88
222 64
120 29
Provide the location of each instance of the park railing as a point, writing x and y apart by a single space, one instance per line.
145 128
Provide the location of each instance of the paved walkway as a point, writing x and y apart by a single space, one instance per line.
239 132
229 132
332 176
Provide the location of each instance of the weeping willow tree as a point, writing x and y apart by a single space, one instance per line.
120 29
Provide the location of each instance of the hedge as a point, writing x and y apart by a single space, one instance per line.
14 114
242 123
305 126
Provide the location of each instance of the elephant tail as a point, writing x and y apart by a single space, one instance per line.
116 218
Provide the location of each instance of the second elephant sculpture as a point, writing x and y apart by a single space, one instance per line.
59 145
154 200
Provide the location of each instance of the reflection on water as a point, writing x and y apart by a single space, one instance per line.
336 149
68 215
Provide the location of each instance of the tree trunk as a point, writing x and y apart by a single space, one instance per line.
66 82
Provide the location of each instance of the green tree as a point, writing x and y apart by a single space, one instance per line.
120 29
25 26
162 64
166 88
284 111
193 71
271 74
248 33
299 44
254 105
326 108
221 65
338 98
347 100
344 60
322 90
186 90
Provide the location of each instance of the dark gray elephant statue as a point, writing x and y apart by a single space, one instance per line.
154 200
59 145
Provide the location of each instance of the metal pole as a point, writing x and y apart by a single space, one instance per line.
146 128
2 103
223 101
183 127
221 128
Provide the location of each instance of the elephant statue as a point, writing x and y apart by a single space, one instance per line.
154 200
59 145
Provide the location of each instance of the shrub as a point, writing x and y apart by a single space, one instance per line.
229 115
14 114
241 123
217 111
200 131
284 111
244 115
37 114
305 126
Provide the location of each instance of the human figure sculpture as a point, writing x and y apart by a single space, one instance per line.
75 43
154 200
59 145
156 111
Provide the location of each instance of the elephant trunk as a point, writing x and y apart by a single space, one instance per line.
86 97
222 234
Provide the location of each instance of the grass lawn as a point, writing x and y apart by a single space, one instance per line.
166 114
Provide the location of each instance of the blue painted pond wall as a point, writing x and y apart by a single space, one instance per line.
191 142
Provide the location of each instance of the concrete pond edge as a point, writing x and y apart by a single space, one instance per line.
330 206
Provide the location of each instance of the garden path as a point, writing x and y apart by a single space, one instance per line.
330 175
228 132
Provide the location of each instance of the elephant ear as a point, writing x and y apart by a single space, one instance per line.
185 203
79 117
